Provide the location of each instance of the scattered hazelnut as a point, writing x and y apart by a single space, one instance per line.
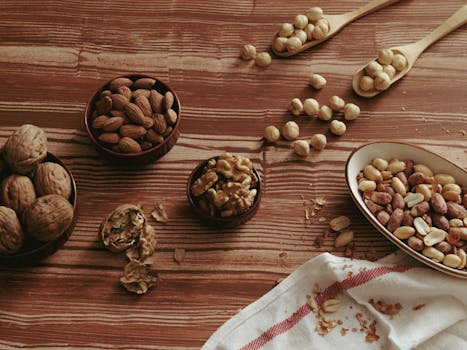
300 33
351 111
399 62
321 29
290 130
248 52
300 21
317 81
372 68
279 44
318 141
314 14
337 127
286 30
263 59
336 103
366 83
293 43
296 107
271 133
389 70
385 56
309 31
301 148
324 113
311 107
382 81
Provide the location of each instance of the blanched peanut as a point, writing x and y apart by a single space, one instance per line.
421 226
412 199
424 190
434 236
404 232
433 253
398 186
371 173
396 166
463 256
452 260
422 168
380 164
367 185
445 179
344 238
339 223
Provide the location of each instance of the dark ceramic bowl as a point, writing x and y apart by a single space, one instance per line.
146 156
33 250
224 222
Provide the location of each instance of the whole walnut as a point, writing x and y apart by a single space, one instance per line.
52 178
11 234
25 148
17 192
48 217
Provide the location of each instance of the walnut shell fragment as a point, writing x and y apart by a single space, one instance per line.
52 178
17 192
137 279
25 148
11 234
48 217
145 247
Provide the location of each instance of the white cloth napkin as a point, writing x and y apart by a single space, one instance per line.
433 313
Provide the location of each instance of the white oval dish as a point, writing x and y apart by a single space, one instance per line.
363 155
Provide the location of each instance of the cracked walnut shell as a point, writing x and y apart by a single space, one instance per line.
48 217
52 178
17 192
137 278
25 148
11 234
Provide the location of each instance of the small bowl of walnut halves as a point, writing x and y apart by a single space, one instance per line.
225 191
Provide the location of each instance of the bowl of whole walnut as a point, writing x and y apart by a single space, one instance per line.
38 198
224 191
133 119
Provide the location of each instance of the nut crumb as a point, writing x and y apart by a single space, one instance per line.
322 219
159 214
320 201
387 309
319 241
316 288
418 307
179 255
344 331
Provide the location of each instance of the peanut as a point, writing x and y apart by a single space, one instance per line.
344 238
404 232
339 223
433 253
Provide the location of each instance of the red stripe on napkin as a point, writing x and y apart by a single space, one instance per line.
330 292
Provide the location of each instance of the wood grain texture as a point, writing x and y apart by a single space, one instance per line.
54 54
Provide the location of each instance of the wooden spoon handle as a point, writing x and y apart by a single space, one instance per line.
459 18
370 7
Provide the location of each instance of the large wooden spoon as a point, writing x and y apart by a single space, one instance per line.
412 51
336 23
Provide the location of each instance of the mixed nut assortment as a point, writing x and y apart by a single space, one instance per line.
428 211
226 186
35 194
131 116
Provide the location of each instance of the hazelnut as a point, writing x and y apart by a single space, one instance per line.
293 44
366 83
321 29
385 56
318 141
301 34
337 127
263 59
290 131
389 70
311 107
271 133
52 178
248 52
25 148
300 21
279 44
309 31
317 81
48 217
296 107
301 148
336 103
399 62
17 192
314 14
11 234
351 111
324 113
372 68
286 30
382 81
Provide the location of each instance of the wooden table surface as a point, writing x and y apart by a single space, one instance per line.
54 54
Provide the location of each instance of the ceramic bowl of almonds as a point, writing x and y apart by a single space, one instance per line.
133 119
415 198
38 199
224 191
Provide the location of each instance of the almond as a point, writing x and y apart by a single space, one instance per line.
117 82
146 145
148 123
115 113
109 137
144 83
153 137
141 92
119 101
143 103
99 121
128 145
132 131
171 116
167 132
168 100
113 124
155 98
105 93
160 124
134 113
104 105
125 91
